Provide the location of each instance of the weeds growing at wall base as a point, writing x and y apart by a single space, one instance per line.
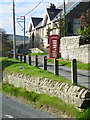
43 99
40 99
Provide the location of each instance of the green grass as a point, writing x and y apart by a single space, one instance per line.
19 92
39 54
40 99
0 87
59 104
68 64
45 100
14 66
84 115
6 62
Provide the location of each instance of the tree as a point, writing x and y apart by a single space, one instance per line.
60 25
85 25
5 43
48 30
84 31
85 18
38 43
4 35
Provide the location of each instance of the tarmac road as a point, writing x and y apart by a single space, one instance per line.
13 108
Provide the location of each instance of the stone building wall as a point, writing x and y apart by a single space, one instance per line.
75 95
70 49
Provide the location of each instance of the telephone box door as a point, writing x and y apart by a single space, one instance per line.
54 46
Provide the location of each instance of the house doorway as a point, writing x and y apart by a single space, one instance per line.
33 40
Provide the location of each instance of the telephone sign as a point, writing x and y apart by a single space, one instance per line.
54 46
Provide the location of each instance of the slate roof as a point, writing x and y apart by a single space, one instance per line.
53 12
68 4
71 4
36 21
39 25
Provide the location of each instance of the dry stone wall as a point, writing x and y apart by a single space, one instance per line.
70 49
80 97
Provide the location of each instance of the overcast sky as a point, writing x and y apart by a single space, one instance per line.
22 7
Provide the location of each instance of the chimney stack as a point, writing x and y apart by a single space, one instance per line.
52 6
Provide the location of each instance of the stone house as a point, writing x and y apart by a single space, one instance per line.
34 29
73 13
48 24
42 28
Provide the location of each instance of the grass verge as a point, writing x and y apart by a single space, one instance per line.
39 54
40 99
16 67
84 115
68 64
43 99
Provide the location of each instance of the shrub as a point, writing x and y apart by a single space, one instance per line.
85 27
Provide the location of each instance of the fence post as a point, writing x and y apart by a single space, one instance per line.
55 66
20 57
36 60
29 59
74 71
24 58
45 62
17 56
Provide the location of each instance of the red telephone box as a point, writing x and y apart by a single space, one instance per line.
54 46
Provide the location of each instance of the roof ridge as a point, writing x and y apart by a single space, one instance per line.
37 17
